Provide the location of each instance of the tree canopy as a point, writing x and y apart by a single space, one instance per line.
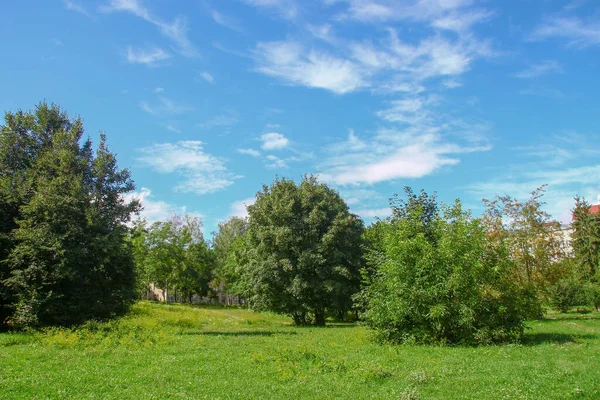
303 251
64 258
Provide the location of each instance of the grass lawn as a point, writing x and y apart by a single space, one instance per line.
181 352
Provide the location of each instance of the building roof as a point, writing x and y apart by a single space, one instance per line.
595 209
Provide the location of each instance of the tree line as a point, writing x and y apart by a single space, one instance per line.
430 272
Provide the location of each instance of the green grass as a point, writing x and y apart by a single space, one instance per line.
181 352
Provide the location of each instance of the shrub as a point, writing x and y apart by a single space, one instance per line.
568 293
442 281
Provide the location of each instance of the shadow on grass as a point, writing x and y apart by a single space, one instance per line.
534 339
239 333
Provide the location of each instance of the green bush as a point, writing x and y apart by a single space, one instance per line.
593 294
568 293
442 281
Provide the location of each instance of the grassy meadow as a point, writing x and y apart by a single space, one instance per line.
182 352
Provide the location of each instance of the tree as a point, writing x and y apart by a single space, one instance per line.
585 238
303 251
440 280
225 243
174 254
66 258
533 238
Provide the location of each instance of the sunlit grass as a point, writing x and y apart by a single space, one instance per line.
176 351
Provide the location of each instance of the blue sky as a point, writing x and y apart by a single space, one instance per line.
205 101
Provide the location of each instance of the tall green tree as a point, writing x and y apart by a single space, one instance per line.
585 238
304 250
224 244
65 257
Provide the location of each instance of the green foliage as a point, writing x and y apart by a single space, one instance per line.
65 258
568 293
173 254
586 237
226 247
303 251
441 280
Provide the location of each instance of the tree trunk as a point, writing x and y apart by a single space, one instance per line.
319 317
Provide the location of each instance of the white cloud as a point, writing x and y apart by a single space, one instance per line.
420 141
150 57
238 208
70 5
155 210
226 21
542 68
373 212
202 172
226 121
451 84
159 90
275 162
284 8
165 106
274 141
389 65
289 61
577 32
207 77
250 152
454 15
176 31
172 128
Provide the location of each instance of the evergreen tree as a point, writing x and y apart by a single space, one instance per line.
66 258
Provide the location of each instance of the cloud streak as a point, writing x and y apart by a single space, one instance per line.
201 172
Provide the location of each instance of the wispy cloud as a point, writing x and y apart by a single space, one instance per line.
176 30
207 77
155 210
420 140
70 5
226 21
226 121
274 141
165 106
150 57
172 128
290 62
539 69
373 212
577 32
566 162
158 90
274 162
249 152
455 15
201 172
287 9
389 65
544 92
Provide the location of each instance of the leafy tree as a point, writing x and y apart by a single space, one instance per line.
533 238
224 243
303 249
440 279
66 259
174 254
